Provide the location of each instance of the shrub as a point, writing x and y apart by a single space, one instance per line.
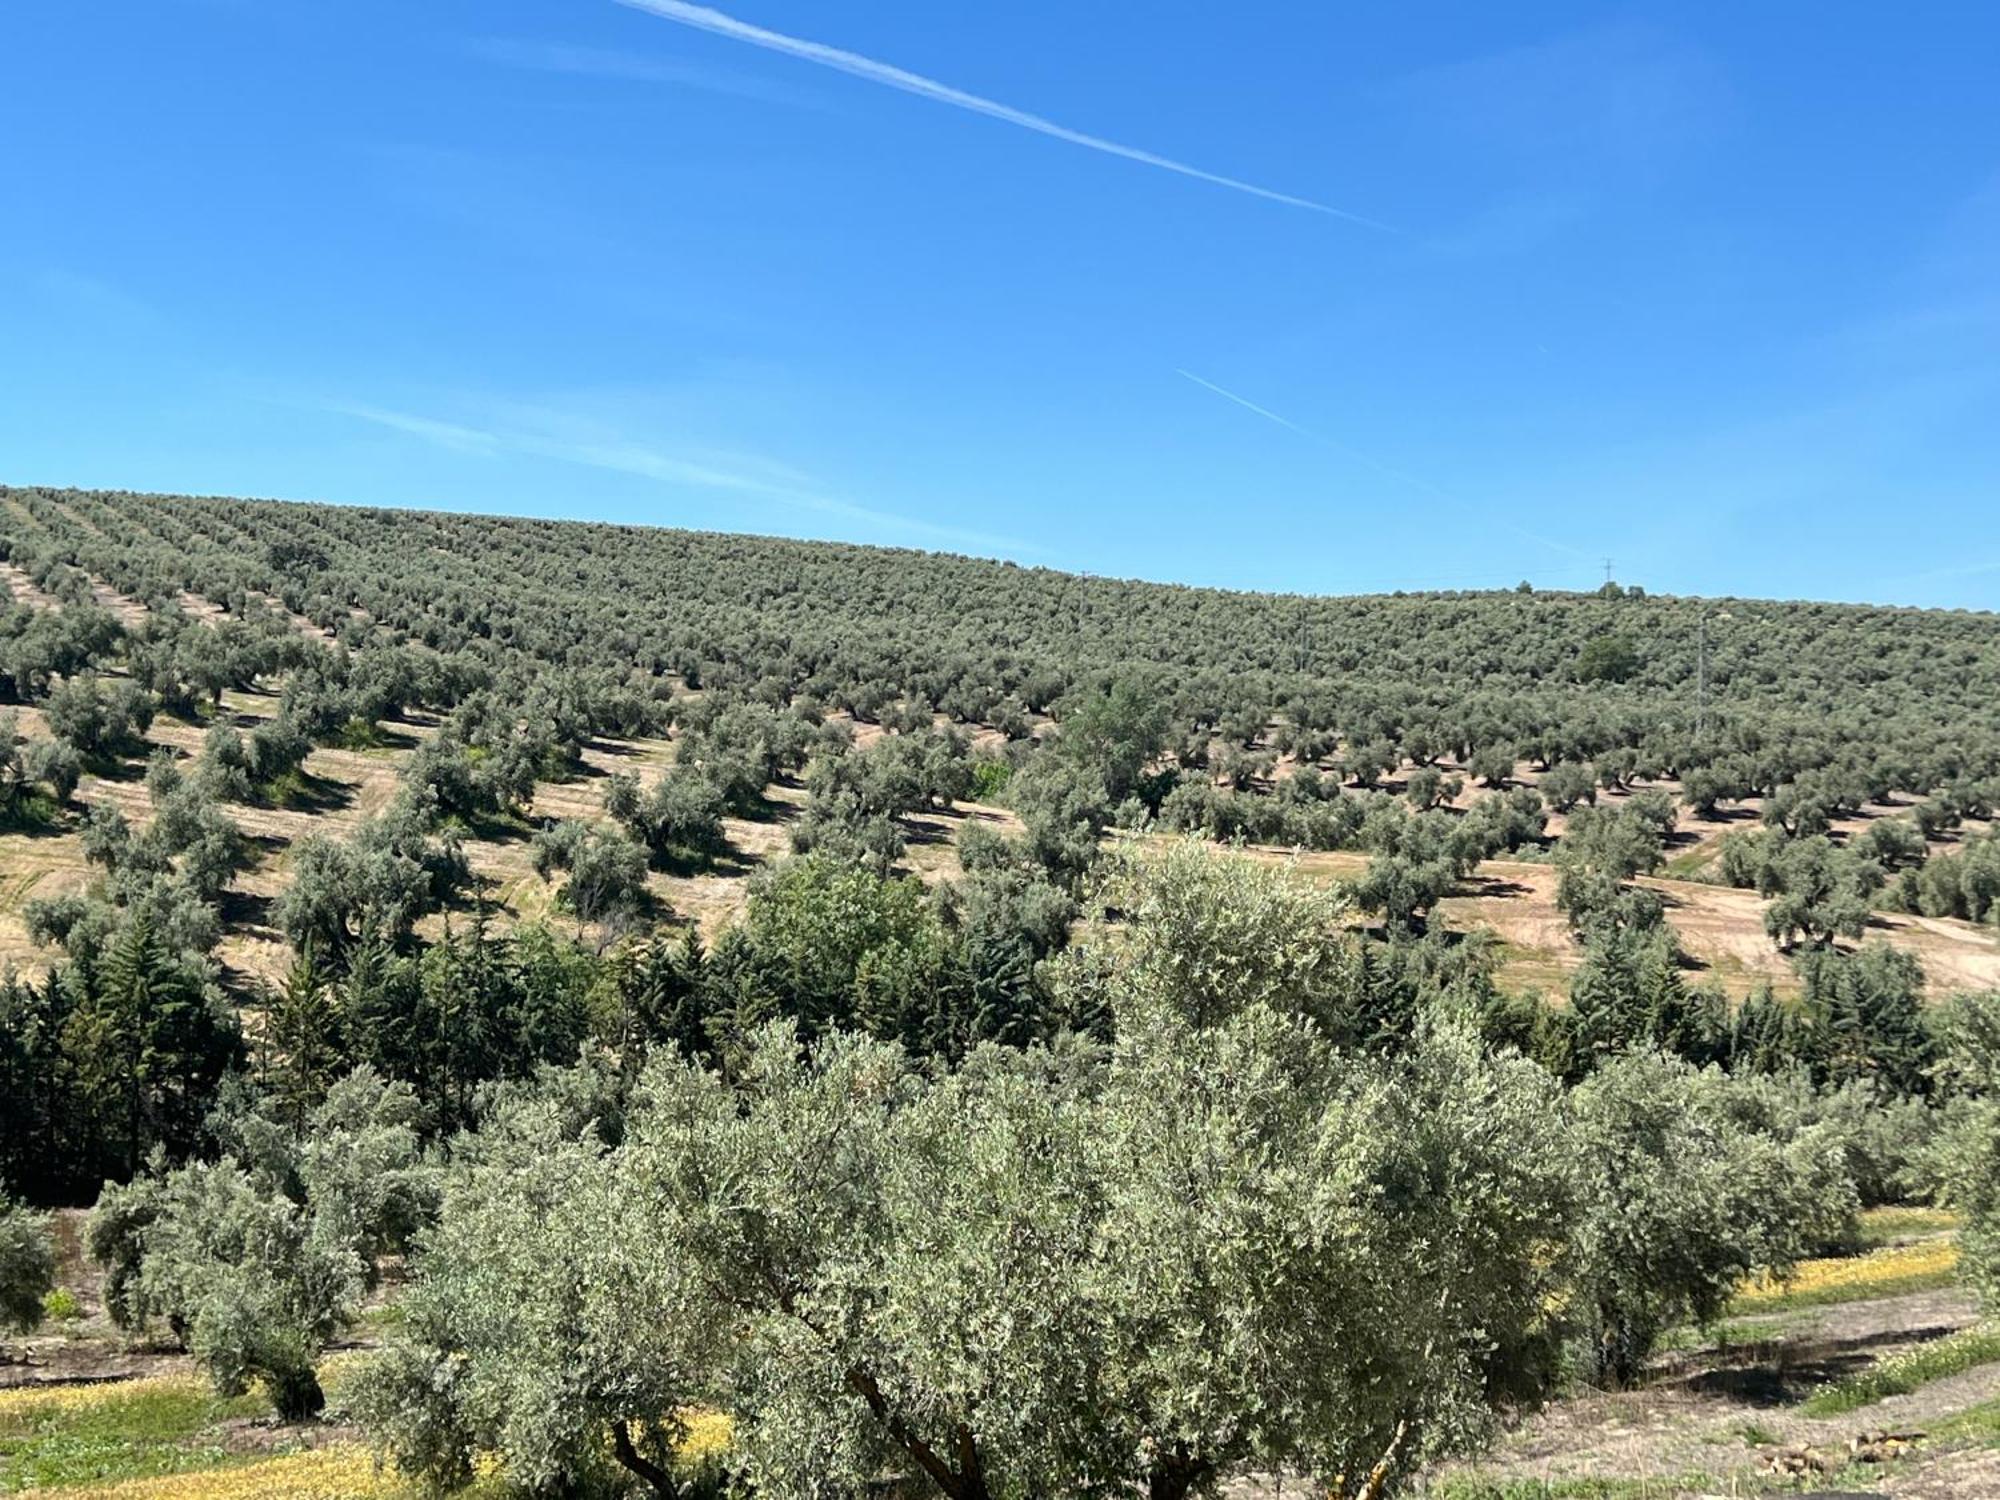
27 1266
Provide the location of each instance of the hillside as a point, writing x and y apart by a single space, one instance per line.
1256 684
484 969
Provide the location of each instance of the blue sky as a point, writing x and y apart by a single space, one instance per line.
1303 296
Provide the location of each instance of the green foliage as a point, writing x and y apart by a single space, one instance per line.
1684 1202
1566 784
1116 729
1065 808
1866 1010
1887 1140
1226 1132
607 870
1607 658
393 871
549 1316
1818 892
679 820
1418 858
1600 852
255 1260
95 720
27 1266
838 826
106 1059
809 1249
1967 1161
470 1009
1427 787
989 779
1194 937
26 767
1629 993
233 1269
1964 883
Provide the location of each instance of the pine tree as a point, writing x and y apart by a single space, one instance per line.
149 1045
303 1049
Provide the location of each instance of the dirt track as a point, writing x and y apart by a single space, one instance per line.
1719 1413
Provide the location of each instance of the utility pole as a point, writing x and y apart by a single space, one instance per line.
1607 570
1701 681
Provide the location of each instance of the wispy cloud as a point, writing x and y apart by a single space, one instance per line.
443 434
607 62
703 18
563 440
1612 97
1387 471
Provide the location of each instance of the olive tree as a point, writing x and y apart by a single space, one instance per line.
1817 890
552 1323
27 1266
679 820
607 870
1599 854
1567 783
232 1268
255 1260
1967 1161
1052 1271
1682 1201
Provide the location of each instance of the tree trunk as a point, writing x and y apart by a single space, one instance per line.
966 1482
1174 1474
621 1445
295 1393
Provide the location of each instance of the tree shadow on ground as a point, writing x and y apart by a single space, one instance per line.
1781 1374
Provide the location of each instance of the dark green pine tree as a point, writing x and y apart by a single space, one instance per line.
47 1138
303 1050
662 987
1867 1009
377 999
1003 1001
149 1045
1768 1035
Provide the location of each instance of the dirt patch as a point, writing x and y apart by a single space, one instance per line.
298 621
1720 928
24 589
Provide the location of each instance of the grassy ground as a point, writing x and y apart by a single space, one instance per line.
1890 1271
169 1437
89 1435
1907 1372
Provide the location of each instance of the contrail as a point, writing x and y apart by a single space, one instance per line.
1361 458
1305 432
705 19
1210 385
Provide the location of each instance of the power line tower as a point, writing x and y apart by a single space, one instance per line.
1701 671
